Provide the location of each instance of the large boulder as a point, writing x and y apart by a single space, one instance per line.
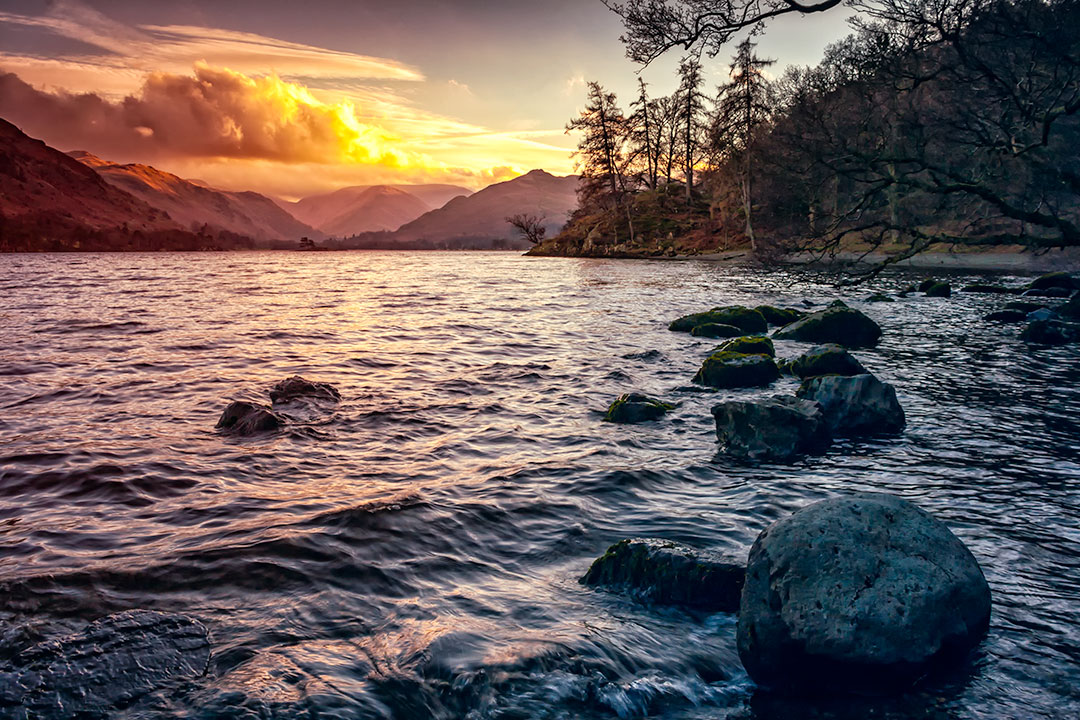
825 360
245 418
1055 280
779 316
716 330
855 406
836 324
737 370
636 408
864 593
774 429
297 387
667 572
746 319
1051 332
102 670
749 345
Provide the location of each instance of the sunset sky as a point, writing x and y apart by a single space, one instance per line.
292 98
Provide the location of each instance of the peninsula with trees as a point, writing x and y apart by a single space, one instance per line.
946 124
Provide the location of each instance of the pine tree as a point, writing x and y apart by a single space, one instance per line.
742 109
691 103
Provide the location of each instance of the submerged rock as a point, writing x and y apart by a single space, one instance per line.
880 297
667 572
836 324
776 429
744 318
749 345
1026 307
863 593
939 290
826 360
1053 292
991 289
716 330
737 370
244 418
1071 309
1051 332
297 387
857 405
779 316
636 408
1006 316
113 662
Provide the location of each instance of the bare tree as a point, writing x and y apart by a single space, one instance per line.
530 226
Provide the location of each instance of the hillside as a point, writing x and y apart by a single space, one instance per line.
49 201
377 208
479 220
331 209
193 206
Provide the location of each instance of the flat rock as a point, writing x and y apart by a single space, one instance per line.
636 408
245 418
670 573
837 324
1006 316
991 289
825 360
773 429
113 662
864 593
297 387
1053 292
737 370
855 406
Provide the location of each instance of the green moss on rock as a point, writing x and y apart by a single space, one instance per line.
837 324
716 330
635 408
727 369
749 345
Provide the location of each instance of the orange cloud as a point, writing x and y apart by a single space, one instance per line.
214 113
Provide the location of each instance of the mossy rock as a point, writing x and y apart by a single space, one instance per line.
737 370
716 330
779 316
939 290
838 325
666 572
880 297
636 408
749 345
1062 280
927 284
746 319
826 360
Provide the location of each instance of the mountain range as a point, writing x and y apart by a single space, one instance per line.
50 200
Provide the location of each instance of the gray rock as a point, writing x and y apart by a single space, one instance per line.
774 429
826 360
746 319
297 387
244 418
837 324
113 662
636 408
736 370
864 593
1040 314
857 405
667 572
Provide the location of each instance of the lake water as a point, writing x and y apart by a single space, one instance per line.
415 552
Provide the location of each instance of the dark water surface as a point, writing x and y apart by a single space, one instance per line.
415 552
